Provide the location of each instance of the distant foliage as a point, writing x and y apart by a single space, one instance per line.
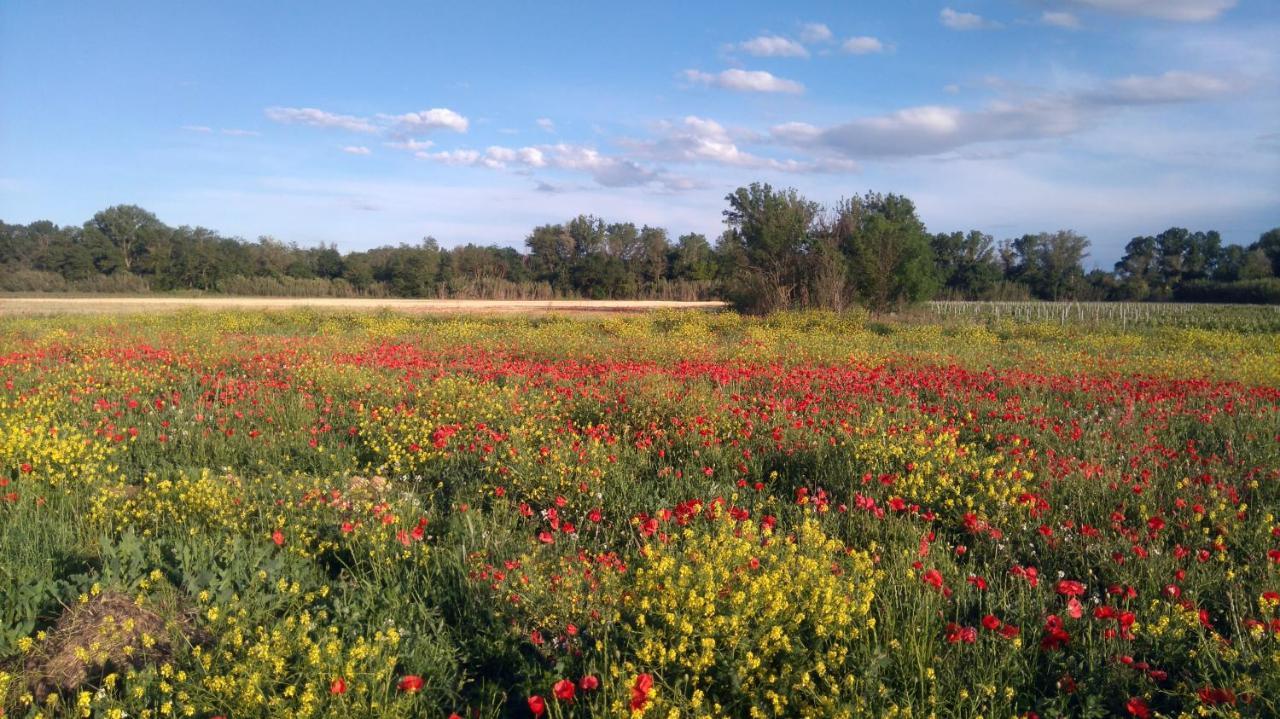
779 251
1264 291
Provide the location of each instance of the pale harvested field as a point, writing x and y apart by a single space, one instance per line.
51 305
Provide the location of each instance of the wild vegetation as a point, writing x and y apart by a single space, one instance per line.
778 251
678 514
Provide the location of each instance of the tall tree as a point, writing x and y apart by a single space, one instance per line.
692 258
888 249
130 229
967 263
1269 244
1051 263
768 233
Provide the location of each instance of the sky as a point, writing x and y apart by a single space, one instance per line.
372 123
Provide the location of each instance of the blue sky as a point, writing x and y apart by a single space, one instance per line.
382 122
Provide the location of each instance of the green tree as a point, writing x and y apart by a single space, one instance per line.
768 233
889 253
1050 264
650 259
967 263
552 252
692 258
131 230
1269 244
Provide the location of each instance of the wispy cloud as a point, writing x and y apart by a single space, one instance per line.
702 140
416 123
1173 86
404 125
957 20
862 45
933 129
744 81
546 124
1060 19
357 150
411 145
815 32
1179 10
605 170
319 118
228 131
773 46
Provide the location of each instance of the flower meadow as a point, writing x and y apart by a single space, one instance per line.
669 515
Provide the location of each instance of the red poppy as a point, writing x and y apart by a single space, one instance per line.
338 686
1075 609
589 683
991 623
1055 636
957 634
1070 588
933 578
1137 706
278 537
1216 697
640 691
563 690
410 683
537 705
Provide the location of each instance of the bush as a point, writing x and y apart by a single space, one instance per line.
1249 292
731 615
18 280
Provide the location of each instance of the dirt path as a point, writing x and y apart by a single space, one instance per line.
59 304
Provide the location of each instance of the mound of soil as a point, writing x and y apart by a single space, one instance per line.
109 633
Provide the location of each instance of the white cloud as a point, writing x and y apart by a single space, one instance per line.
964 20
357 150
531 156
400 127
547 124
702 140
606 170
1172 86
229 131
319 118
815 32
1060 19
411 145
745 81
453 157
695 139
437 118
935 129
1181 10
773 46
862 45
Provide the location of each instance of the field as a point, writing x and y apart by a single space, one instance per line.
331 513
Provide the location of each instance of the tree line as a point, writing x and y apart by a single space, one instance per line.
779 251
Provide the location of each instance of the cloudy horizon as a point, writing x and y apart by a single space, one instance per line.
369 126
